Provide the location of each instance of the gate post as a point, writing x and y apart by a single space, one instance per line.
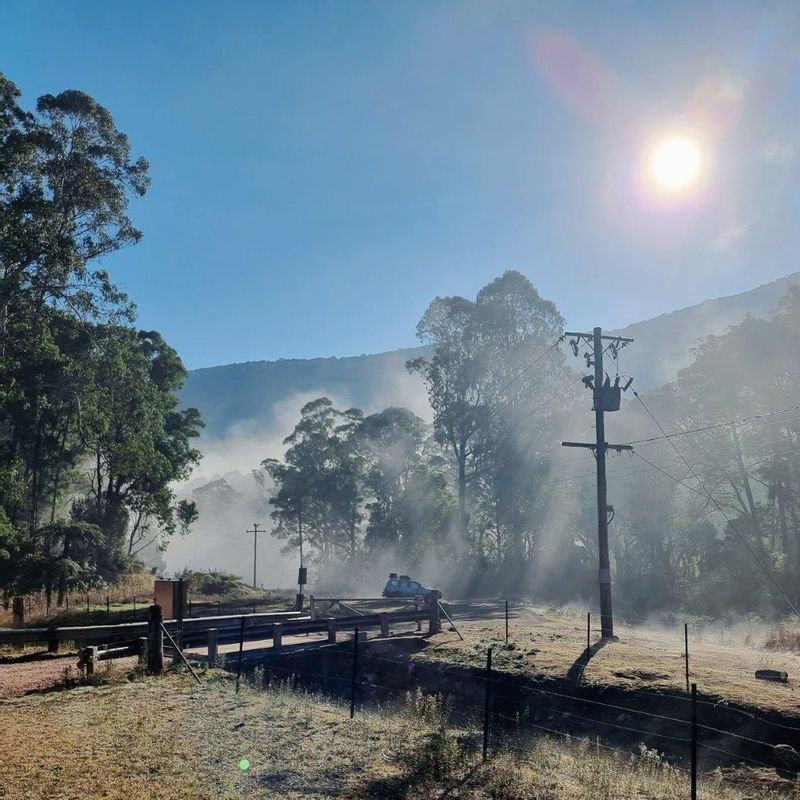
155 635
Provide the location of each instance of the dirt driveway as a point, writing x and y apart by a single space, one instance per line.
23 677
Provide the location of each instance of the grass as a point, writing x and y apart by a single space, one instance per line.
549 642
785 638
171 739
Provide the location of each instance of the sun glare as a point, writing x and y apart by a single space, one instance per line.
675 162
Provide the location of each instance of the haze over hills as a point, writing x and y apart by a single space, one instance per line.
236 395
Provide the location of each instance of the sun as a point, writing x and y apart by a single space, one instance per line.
675 162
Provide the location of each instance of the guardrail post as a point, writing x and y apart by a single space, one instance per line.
277 636
155 635
52 641
419 617
312 609
384 625
142 651
434 618
18 612
213 639
332 631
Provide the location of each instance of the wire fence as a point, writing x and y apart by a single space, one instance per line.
533 710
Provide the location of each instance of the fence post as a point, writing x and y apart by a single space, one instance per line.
694 741
419 618
332 631
686 652
52 641
506 621
134 605
384 625
87 603
213 639
434 618
312 610
142 650
18 612
219 608
486 704
355 667
241 647
155 645
67 601
588 631
108 605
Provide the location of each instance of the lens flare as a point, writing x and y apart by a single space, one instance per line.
675 163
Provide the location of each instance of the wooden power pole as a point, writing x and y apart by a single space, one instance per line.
255 533
606 398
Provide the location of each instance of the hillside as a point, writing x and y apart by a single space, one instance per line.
663 344
237 394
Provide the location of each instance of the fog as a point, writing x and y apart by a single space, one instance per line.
685 526
218 539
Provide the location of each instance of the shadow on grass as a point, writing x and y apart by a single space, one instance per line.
575 672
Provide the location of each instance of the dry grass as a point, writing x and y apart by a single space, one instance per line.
549 642
171 739
785 638
120 595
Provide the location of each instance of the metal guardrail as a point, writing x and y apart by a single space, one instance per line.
128 631
257 626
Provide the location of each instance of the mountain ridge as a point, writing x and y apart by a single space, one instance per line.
247 392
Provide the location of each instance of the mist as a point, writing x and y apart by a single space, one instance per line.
675 514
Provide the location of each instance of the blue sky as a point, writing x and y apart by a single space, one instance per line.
321 170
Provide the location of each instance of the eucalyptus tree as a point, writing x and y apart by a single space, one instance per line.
82 393
316 497
489 404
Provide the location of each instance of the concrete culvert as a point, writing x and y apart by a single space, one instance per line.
786 760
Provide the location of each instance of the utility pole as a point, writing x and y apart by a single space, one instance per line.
606 398
302 573
255 533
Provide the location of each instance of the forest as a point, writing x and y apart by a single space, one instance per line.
705 513
92 437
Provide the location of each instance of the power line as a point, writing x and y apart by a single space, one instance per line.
736 421
719 508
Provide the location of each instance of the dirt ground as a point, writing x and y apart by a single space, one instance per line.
23 677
